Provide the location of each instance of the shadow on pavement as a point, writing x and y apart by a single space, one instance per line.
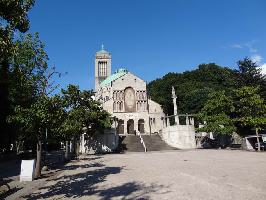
10 168
87 183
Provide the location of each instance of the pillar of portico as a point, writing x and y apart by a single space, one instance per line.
187 120
192 121
125 126
177 119
135 125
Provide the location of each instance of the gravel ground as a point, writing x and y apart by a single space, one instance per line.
195 174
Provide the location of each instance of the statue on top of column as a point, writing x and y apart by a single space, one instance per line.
173 92
175 106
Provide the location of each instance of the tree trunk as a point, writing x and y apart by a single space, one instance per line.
39 159
4 103
67 151
258 140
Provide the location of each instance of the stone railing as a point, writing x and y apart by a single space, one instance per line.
141 141
179 131
181 119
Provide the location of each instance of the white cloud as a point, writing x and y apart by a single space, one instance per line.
236 46
263 68
250 46
256 58
247 45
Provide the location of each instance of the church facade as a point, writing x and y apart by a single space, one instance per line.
124 96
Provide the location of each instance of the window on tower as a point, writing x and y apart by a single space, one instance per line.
102 68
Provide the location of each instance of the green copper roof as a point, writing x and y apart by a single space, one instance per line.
102 51
118 73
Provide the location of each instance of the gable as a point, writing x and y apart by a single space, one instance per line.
129 80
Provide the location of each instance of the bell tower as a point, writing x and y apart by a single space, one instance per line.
102 67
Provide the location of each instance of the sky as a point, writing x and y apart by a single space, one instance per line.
148 37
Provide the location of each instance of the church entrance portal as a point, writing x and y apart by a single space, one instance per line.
141 125
130 126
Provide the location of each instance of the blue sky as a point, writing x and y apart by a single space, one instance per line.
148 37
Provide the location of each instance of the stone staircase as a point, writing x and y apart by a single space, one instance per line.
155 143
131 143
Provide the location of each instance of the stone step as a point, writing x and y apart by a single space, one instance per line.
131 143
155 143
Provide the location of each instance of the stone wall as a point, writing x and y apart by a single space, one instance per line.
100 142
179 136
156 115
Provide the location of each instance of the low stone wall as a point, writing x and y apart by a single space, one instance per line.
99 142
179 136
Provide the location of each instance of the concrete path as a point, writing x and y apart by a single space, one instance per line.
197 174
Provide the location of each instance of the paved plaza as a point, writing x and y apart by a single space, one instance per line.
195 174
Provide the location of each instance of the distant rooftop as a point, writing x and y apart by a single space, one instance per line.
118 73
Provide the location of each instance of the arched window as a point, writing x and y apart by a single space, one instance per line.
114 106
121 106
117 106
121 95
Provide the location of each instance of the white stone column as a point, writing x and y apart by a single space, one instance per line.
105 68
174 100
125 126
192 121
177 119
187 120
135 125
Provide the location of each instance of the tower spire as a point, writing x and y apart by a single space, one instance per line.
102 47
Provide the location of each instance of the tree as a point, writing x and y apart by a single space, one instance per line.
250 109
43 114
26 71
216 113
13 17
34 110
81 111
249 74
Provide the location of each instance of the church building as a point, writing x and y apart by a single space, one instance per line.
124 96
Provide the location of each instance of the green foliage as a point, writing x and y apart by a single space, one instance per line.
27 70
250 107
249 74
44 113
26 73
13 17
224 112
15 12
214 93
216 114
81 111
192 88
